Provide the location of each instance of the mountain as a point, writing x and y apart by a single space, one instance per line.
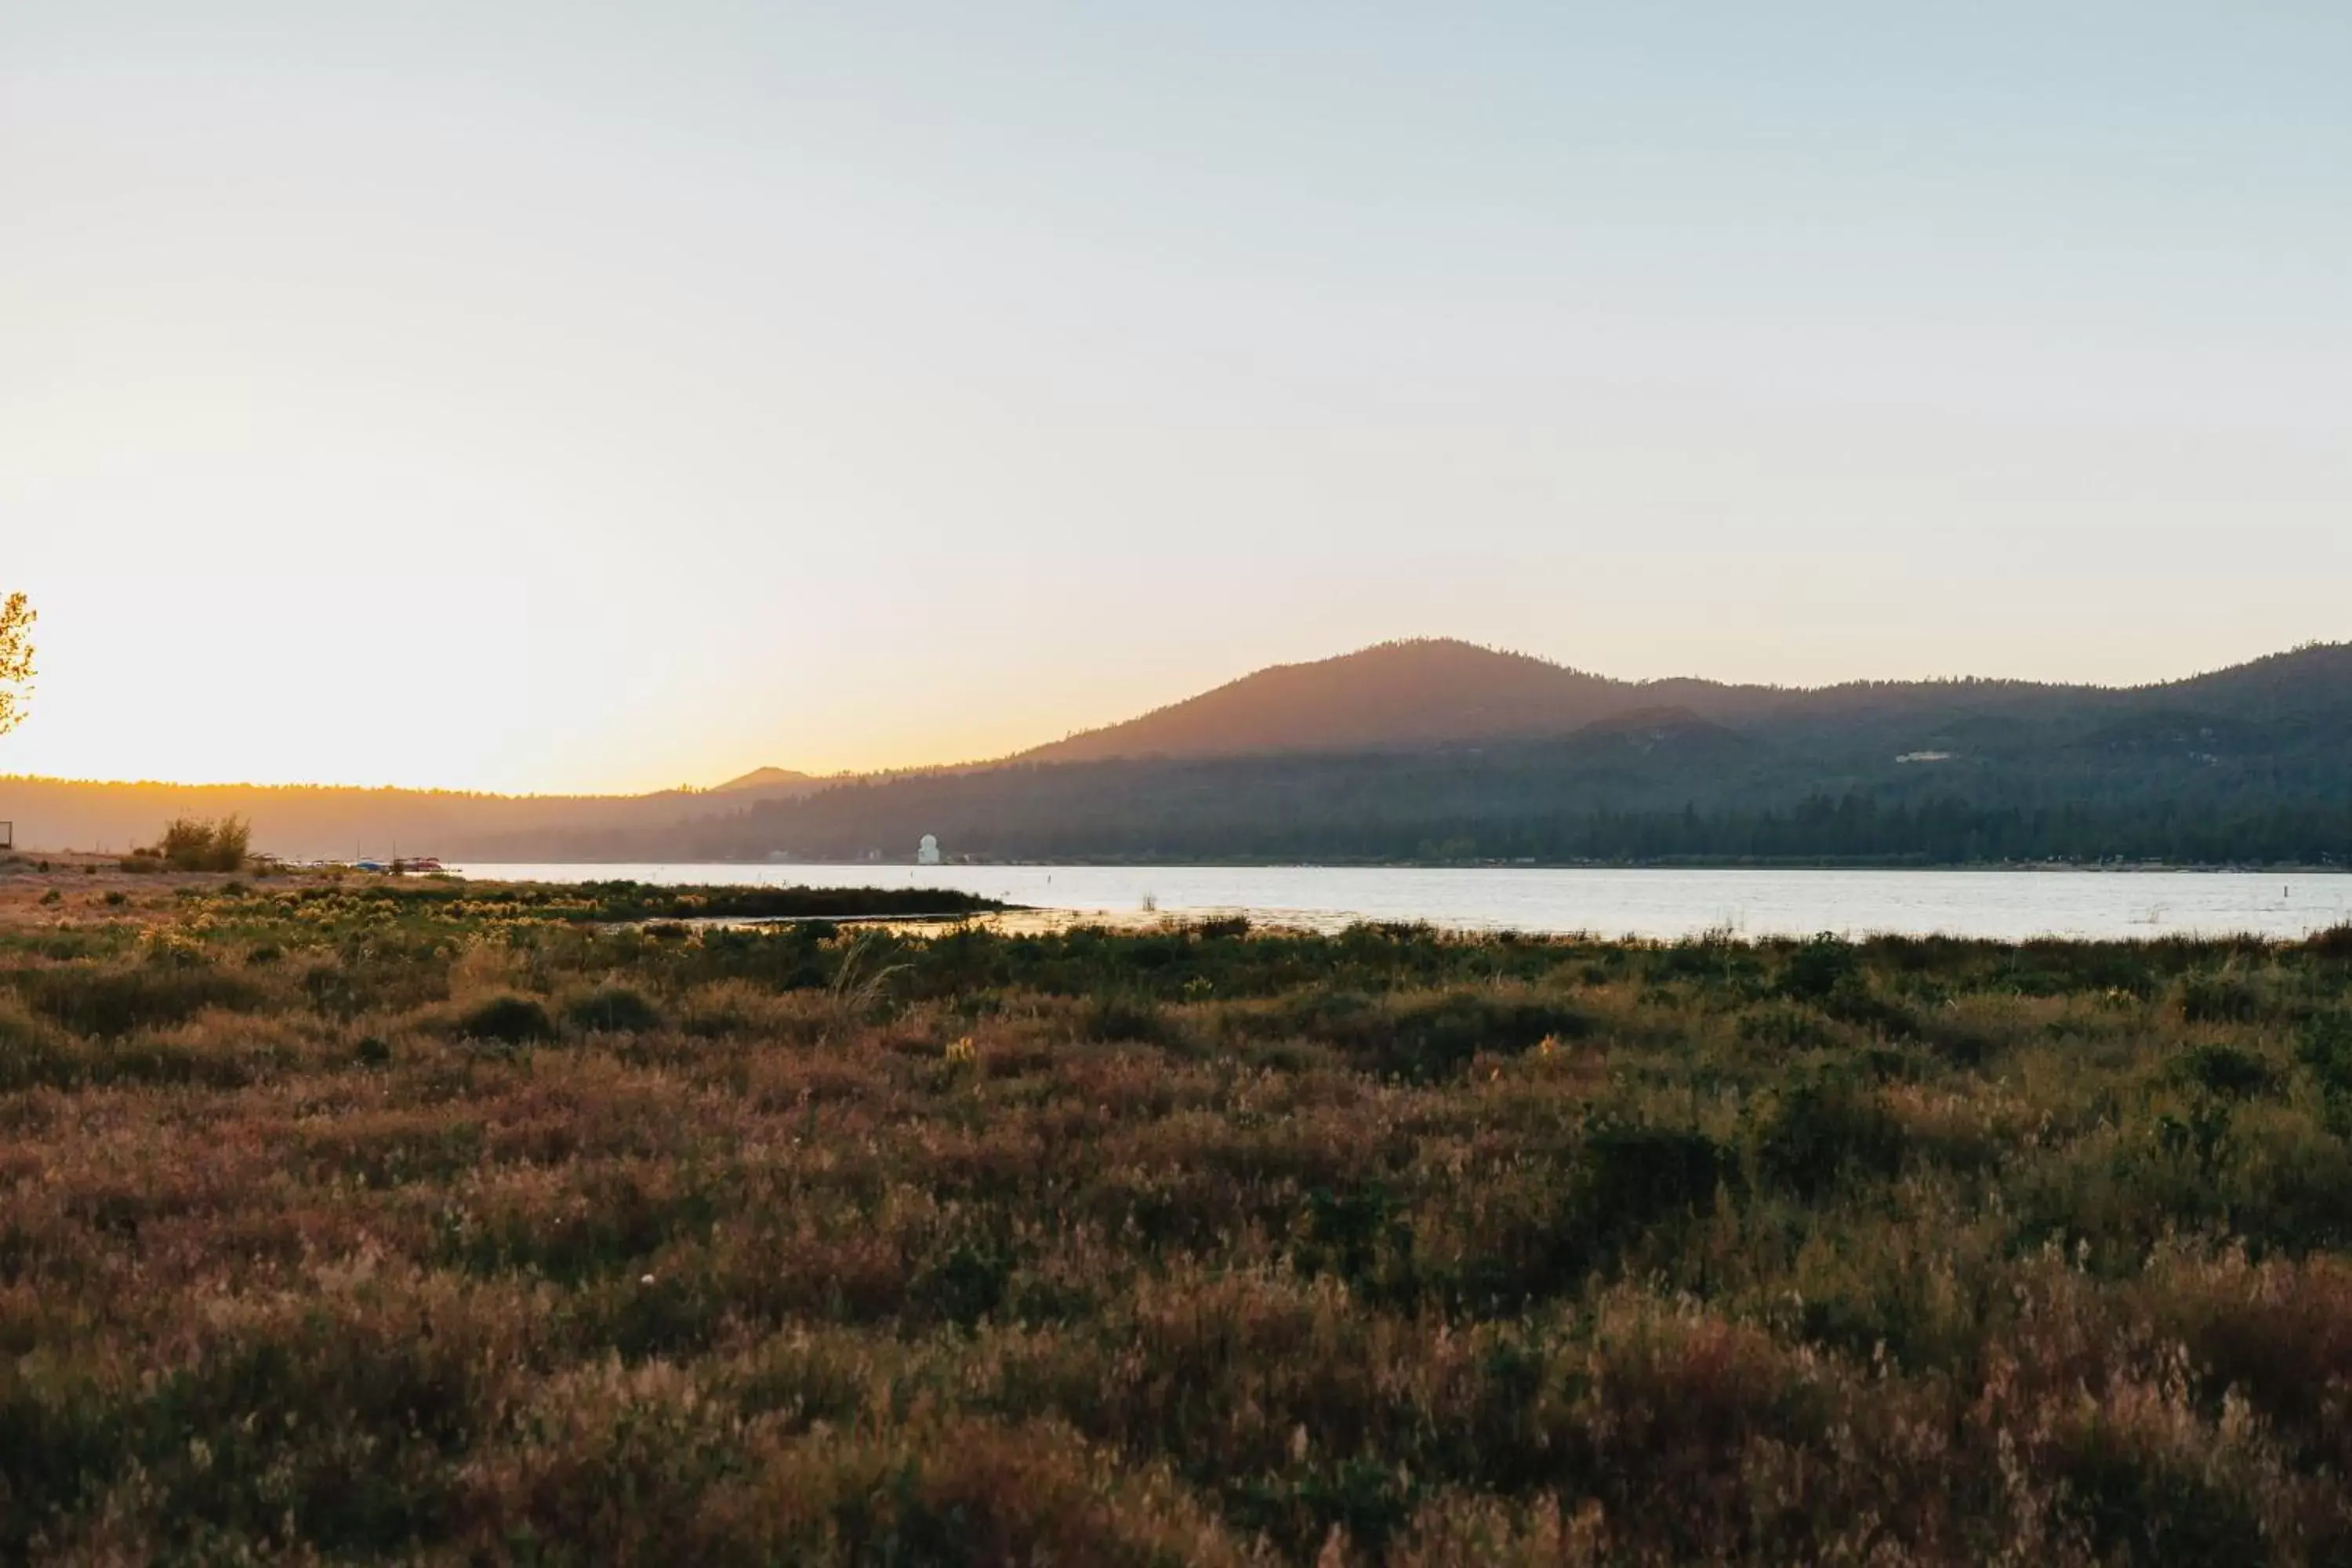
1438 691
1435 692
1424 692
1440 750
768 782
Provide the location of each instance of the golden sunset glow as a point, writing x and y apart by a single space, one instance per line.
505 398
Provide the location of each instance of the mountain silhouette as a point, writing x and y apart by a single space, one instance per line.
1421 692
1438 749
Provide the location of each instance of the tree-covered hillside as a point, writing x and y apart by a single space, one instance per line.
2253 764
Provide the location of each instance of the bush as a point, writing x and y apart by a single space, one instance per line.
612 1010
2336 942
2325 1047
2219 997
2225 1070
1819 967
1347 1233
1125 1017
30 1051
192 843
508 1019
2324 1051
1627 1180
111 1003
2138 1506
1631 1175
1424 1039
1786 1025
1818 1130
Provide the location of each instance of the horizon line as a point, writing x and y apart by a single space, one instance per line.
851 774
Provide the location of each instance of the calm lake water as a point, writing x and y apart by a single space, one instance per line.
2007 905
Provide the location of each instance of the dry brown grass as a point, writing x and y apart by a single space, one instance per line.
1154 1248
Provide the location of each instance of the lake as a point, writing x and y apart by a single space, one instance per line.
2001 905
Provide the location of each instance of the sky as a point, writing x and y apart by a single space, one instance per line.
551 396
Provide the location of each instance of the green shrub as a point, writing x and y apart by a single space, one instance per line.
109 1003
1119 1017
2138 1508
2324 1051
193 844
963 1284
1350 1232
612 1010
1819 967
2219 996
2335 942
1786 1025
1424 1039
2225 1070
31 1052
1629 1175
508 1019
2325 1047
1819 1128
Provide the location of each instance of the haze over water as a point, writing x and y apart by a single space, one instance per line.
1661 904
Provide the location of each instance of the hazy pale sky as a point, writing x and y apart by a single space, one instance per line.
538 396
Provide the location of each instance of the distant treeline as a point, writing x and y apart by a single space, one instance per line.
303 821
1696 797
1848 828
1855 828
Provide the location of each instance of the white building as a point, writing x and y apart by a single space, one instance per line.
927 852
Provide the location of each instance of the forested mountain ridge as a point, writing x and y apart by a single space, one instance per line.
1417 693
2252 764
1392 695
1443 750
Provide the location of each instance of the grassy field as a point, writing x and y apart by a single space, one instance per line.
425 1222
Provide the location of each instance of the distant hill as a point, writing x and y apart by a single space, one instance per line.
1439 691
1443 750
1440 750
1426 692
309 821
770 782
1436 692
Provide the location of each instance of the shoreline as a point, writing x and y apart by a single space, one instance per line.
2137 868
24 860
